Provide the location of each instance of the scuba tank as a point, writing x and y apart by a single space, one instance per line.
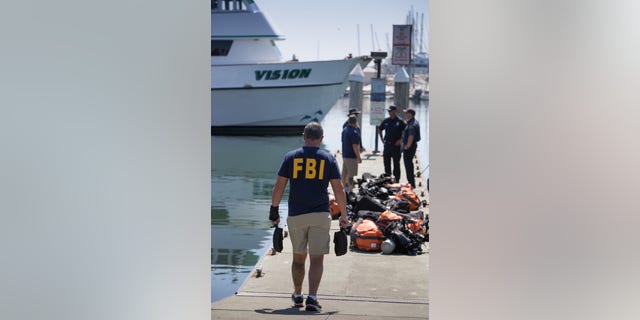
388 246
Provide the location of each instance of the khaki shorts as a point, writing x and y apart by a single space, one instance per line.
349 168
312 230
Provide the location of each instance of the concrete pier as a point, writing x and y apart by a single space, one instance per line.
359 285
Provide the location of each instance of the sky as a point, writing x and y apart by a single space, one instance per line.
328 29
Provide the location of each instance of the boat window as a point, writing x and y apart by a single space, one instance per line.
220 47
228 5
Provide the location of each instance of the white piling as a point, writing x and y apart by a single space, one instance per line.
401 88
356 81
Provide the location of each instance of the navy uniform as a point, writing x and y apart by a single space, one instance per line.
411 132
344 125
392 127
350 155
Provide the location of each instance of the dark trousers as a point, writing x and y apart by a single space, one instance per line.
408 164
392 152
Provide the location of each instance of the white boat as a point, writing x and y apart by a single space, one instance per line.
253 90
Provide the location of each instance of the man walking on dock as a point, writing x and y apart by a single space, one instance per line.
392 127
310 171
410 138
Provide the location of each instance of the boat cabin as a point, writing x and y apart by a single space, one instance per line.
241 34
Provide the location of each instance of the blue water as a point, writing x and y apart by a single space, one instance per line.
243 171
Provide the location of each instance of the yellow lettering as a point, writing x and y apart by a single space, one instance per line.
311 169
321 173
297 166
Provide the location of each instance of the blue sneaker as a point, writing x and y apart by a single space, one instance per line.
312 305
297 301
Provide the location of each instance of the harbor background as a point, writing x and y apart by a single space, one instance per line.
243 170
342 27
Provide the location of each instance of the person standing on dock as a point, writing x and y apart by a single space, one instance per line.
392 140
351 141
410 138
355 112
310 171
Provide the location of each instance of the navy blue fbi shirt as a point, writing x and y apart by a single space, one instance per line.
309 170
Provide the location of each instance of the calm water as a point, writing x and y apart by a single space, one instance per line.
243 172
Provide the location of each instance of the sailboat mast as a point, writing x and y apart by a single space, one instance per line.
421 32
358 29
373 46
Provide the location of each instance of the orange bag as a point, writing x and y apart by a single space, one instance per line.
414 224
368 236
334 207
406 193
387 217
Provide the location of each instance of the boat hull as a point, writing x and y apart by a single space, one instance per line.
276 97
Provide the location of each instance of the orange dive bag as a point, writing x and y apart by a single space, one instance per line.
406 193
334 207
368 236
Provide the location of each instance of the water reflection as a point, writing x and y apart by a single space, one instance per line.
243 173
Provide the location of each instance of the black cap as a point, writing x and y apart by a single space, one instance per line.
353 111
392 108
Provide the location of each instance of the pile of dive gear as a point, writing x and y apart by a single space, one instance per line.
385 216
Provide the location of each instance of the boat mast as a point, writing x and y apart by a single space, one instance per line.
386 35
422 32
373 47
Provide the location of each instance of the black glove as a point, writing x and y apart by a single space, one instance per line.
273 213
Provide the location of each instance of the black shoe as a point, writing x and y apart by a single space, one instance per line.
312 305
297 301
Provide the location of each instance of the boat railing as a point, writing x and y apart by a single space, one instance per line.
229 5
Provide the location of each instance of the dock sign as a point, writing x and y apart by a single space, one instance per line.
377 113
378 98
378 89
401 54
